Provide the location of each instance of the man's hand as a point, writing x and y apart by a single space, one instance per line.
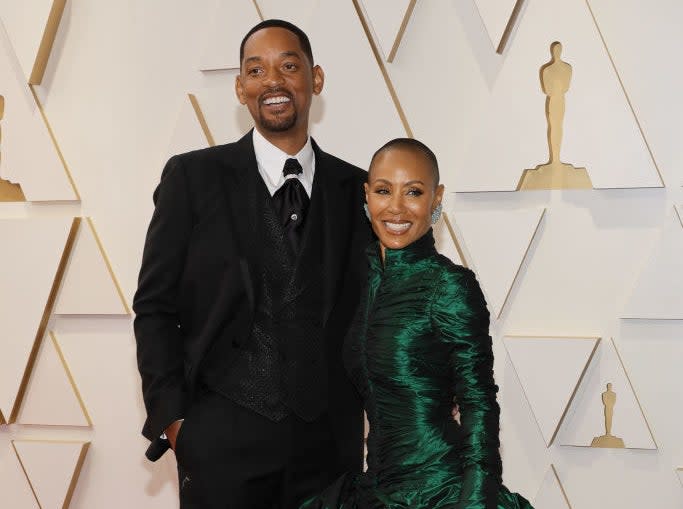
172 432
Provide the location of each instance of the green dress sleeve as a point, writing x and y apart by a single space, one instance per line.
461 320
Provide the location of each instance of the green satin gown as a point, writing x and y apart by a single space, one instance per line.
420 340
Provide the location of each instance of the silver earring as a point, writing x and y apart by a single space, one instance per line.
367 212
436 214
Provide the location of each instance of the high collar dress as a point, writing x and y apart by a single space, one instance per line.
419 344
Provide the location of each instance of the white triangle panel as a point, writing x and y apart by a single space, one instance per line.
444 235
52 468
15 490
679 472
29 259
495 14
30 27
387 17
28 155
657 293
88 286
300 13
549 369
497 243
188 134
51 395
610 146
551 494
230 24
586 419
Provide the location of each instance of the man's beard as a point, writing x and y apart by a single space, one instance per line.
279 124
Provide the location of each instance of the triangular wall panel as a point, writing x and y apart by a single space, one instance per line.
496 16
225 35
32 259
549 370
52 469
551 494
586 416
15 490
388 19
89 286
29 156
497 243
621 158
52 397
32 30
657 293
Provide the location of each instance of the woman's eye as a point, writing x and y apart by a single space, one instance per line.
382 190
413 191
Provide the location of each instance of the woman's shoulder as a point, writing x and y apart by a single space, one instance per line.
451 271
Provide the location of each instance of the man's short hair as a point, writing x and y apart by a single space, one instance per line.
415 146
269 23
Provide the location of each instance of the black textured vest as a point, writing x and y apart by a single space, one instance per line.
280 368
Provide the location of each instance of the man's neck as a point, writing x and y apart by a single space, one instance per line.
289 142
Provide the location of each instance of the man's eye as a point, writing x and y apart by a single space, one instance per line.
290 66
254 71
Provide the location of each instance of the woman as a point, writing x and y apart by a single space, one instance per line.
421 339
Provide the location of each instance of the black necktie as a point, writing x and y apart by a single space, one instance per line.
291 203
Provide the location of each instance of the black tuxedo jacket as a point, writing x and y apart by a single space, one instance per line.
195 285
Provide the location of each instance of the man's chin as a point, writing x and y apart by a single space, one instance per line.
279 125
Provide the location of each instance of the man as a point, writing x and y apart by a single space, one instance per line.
248 283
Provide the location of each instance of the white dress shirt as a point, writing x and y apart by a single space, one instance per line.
271 161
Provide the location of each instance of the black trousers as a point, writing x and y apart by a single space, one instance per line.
229 457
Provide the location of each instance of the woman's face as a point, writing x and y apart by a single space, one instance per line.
401 195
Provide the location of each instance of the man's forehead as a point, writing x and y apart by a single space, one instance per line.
273 38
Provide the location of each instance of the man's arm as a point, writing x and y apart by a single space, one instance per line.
158 332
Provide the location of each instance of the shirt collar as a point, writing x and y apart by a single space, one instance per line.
271 160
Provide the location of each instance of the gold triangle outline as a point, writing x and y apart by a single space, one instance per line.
47 312
385 74
679 474
454 238
107 262
258 9
201 119
509 27
46 42
588 362
78 467
628 98
635 395
399 36
532 237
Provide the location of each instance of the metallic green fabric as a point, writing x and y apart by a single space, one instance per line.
421 341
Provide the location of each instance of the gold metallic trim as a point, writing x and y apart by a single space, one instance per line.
451 232
383 69
202 120
47 312
2 418
54 142
516 10
69 375
46 42
108 264
28 479
678 215
258 9
597 340
635 395
401 30
623 88
559 483
74 476
519 267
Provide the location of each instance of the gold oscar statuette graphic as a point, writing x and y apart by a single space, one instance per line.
8 191
609 399
555 78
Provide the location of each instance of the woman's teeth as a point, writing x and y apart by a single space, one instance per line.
397 227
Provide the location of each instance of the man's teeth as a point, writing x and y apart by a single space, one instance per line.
397 227
276 100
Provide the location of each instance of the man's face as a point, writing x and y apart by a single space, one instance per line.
276 81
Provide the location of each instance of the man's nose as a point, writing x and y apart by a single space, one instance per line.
274 78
